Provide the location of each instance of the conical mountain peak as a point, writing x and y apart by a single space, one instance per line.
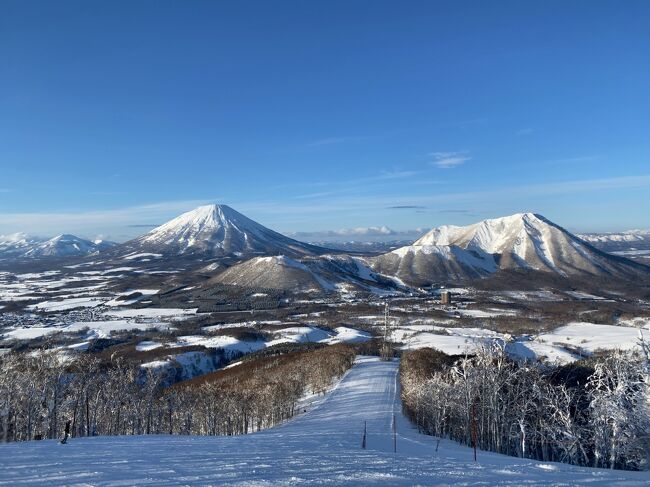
219 230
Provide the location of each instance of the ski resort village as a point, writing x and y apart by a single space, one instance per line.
213 350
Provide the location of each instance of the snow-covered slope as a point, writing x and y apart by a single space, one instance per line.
324 273
321 447
276 272
425 264
520 241
215 231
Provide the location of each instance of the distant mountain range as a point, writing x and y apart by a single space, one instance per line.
363 247
623 241
22 246
240 251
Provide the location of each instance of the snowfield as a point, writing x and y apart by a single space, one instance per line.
591 337
66 304
176 313
449 344
103 329
563 345
294 334
96 329
29 333
321 447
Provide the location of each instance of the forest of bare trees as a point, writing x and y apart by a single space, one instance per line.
39 394
593 413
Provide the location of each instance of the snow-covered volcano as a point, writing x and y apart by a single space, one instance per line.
215 231
520 241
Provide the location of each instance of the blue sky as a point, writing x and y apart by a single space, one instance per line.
313 116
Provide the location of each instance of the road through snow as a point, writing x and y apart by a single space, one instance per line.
321 447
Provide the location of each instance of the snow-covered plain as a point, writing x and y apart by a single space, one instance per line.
321 447
565 344
29 333
576 340
591 337
96 329
479 313
66 304
227 343
230 344
449 344
103 329
176 313
147 345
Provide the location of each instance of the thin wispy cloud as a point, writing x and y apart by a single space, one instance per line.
573 160
448 160
338 140
464 124
406 207
387 175
348 139
321 194
104 193
348 186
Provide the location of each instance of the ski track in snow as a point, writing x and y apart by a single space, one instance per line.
321 447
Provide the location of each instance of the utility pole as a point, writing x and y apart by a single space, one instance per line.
386 350
474 432
363 438
386 316
394 434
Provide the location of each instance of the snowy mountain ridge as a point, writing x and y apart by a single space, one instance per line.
491 236
523 241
